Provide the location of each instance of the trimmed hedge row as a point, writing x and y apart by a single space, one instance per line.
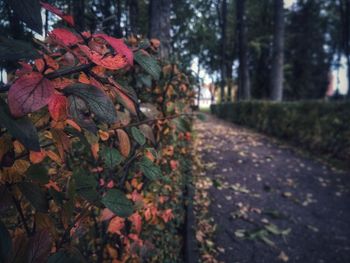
321 127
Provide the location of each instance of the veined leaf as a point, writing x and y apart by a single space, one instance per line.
39 246
148 63
5 243
116 201
95 99
38 173
29 93
13 50
85 185
138 136
149 169
111 157
35 195
21 129
29 12
78 111
124 142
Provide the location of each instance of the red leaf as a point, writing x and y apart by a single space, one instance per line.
68 18
110 62
26 68
119 46
29 93
116 224
136 222
64 37
58 107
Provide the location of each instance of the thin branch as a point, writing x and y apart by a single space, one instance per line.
56 74
19 209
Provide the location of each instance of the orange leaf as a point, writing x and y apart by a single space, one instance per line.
103 135
73 124
54 185
83 78
116 224
37 157
54 157
124 142
94 150
111 62
40 64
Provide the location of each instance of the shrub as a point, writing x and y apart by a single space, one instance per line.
94 142
321 127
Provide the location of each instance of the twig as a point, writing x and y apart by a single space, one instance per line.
19 209
56 74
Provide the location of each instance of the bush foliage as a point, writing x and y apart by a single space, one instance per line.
317 126
94 146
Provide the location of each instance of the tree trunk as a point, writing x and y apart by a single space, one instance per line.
276 77
223 24
229 80
134 16
79 14
347 41
159 24
244 92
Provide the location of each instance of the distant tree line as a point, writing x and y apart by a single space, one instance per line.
252 49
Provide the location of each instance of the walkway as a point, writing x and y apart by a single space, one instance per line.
270 203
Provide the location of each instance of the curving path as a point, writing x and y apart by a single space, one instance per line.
270 203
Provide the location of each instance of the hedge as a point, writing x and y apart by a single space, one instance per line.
320 127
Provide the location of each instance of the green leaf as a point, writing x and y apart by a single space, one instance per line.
148 63
13 50
149 169
116 201
29 11
77 109
95 99
85 185
21 129
138 136
111 157
5 243
35 195
71 255
38 173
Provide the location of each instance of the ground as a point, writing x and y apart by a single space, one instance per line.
270 202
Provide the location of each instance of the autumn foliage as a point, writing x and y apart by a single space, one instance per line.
94 148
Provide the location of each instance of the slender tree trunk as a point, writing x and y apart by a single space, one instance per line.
134 16
199 85
223 25
229 80
244 92
347 41
159 24
79 14
276 77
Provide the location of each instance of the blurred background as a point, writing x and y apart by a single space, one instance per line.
236 50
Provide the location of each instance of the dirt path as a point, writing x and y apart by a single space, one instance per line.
271 204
